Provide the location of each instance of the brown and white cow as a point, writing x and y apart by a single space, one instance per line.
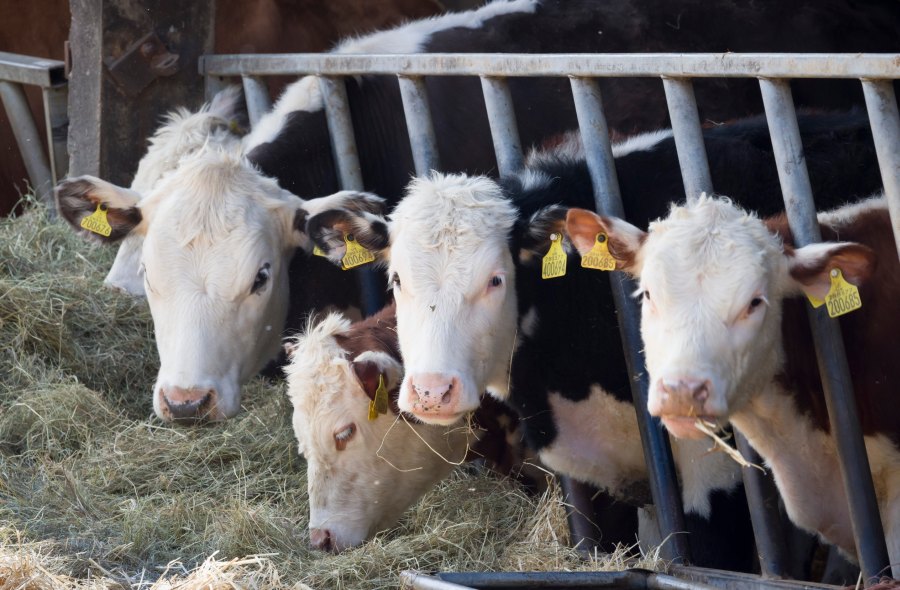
364 470
726 338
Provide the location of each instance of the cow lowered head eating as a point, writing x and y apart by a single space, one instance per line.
217 240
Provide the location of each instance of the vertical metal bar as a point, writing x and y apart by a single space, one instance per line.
582 530
695 173
418 121
56 119
28 140
256 93
768 527
504 131
657 450
346 159
839 397
212 85
881 103
688 137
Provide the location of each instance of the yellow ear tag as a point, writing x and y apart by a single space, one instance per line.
554 264
843 297
379 405
318 252
599 257
356 255
96 222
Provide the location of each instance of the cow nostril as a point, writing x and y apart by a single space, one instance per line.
190 409
445 399
701 392
321 539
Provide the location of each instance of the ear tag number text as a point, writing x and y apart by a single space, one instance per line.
318 252
554 262
843 297
599 257
96 222
379 405
356 255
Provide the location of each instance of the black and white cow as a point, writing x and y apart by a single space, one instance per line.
291 145
464 258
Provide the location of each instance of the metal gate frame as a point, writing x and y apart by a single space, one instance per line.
875 72
49 74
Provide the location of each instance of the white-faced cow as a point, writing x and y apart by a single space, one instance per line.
364 470
464 257
291 144
726 337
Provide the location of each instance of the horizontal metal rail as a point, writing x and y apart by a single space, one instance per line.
651 65
49 74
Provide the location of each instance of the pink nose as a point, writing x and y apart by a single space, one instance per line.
433 394
195 403
680 402
321 539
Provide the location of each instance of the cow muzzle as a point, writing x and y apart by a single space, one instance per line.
679 402
322 540
189 404
434 398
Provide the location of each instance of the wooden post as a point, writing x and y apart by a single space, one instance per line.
132 61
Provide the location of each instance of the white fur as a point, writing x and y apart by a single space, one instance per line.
642 142
448 239
304 95
385 467
701 266
598 442
570 148
183 133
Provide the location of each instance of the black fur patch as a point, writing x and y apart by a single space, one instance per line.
75 201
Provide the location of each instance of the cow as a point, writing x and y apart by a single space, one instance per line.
291 145
727 339
366 464
464 257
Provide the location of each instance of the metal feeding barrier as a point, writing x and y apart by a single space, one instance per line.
48 74
875 72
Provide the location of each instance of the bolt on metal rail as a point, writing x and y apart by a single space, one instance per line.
875 71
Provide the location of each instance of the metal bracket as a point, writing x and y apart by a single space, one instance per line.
144 61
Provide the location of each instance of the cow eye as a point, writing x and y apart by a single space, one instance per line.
395 281
496 281
754 303
262 277
343 436
646 295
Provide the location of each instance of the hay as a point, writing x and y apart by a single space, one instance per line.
95 492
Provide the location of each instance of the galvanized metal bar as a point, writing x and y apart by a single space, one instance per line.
56 120
420 581
607 65
839 397
881 103
688 137
346 159
504 131
625 580
741 581
256 93
28 140
580 510
212 85
420 126
768 527
657 450
36 71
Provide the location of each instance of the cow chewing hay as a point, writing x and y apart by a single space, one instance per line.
96 492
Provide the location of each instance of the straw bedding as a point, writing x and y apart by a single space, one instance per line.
95 492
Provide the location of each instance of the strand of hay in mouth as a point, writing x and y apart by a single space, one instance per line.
709 429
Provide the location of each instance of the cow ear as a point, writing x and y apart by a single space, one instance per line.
79 198
624 240
536 233
810 266
369 365
330 231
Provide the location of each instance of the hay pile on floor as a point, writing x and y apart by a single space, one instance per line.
95 492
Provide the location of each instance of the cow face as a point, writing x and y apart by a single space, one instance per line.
361 473
712 279
452 274
217 240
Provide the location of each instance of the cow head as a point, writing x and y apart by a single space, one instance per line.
362 473
217 240
450 267
712 281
